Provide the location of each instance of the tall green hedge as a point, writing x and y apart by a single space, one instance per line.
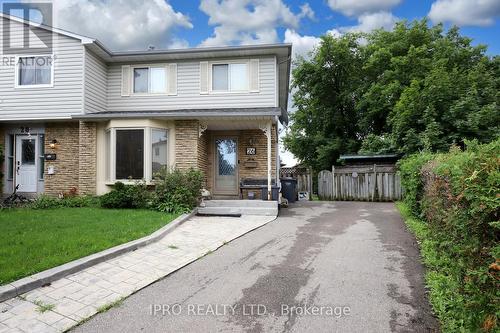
455 198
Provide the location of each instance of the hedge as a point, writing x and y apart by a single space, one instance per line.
452 203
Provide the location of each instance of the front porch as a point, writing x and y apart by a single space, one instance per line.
232 153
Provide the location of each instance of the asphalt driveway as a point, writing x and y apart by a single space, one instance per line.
319 267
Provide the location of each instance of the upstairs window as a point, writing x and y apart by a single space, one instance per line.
230 77
34 71
150 80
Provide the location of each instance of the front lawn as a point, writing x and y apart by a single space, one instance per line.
34 240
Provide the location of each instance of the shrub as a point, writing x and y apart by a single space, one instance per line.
177 191
457 195
409 169
47 202
127 196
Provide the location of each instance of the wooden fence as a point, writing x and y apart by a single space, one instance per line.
360 183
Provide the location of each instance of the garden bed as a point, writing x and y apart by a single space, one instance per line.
36 240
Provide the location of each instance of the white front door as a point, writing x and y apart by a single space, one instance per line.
25 166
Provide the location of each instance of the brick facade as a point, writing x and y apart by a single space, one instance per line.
87 158
66 166
186 144
203 142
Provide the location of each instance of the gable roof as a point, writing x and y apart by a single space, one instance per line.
282 52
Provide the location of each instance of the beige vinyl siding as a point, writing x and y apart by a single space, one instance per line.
188 91
95 83
63 99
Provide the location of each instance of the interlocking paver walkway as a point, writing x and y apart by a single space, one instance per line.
76 297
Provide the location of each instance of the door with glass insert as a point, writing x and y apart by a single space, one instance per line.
226 165
25 167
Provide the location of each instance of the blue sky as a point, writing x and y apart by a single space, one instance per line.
326 19
136 24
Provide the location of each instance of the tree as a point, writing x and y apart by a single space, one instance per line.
325 123
410 89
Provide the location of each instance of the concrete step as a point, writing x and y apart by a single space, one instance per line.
263 211
240 203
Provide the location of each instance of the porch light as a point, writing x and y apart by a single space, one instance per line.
53 144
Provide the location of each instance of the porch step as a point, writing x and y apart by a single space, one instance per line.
243 207
240 203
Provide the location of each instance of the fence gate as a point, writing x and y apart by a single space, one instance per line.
360 183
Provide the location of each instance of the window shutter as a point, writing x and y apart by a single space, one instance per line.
254 75
204 77
171 72
126 80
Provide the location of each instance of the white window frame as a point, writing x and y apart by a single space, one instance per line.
148 154
228 62
149 93
33 86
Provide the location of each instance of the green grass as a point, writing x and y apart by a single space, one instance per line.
43 307
34 240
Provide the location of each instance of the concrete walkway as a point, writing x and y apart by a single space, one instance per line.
70 300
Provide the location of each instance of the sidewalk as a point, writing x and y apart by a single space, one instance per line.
68 301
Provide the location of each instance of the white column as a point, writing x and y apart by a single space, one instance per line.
269 195
266 128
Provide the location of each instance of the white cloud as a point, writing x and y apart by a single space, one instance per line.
465 12
358 7
249 21
307 11
123 24
372 21
302 45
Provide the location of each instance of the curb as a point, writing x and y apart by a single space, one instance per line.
34 281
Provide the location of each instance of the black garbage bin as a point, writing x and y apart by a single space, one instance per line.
275 190
289 189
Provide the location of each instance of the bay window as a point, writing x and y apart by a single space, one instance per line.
230 77
135 153
129 159
158 149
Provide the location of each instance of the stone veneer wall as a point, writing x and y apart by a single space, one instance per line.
186 144
203 156
260 142
66 165
87 174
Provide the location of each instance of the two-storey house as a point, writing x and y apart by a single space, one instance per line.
82 117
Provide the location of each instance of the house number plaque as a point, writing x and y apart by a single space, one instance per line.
251 150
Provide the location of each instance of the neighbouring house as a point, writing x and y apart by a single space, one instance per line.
82 116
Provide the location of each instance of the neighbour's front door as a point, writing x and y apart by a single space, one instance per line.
226 166
26 163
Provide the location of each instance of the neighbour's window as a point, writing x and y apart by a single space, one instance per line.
149 80
230 77
159 149
34 71
41 156
129 154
